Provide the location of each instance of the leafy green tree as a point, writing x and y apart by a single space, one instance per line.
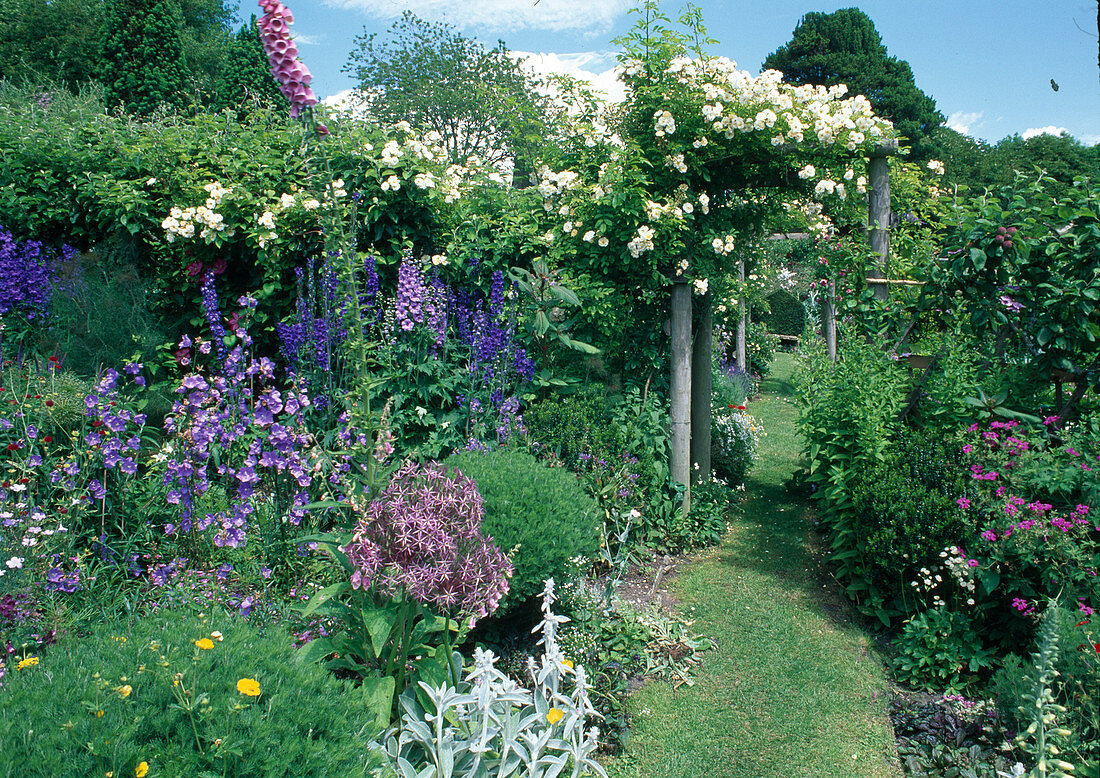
844 48
143 65
479 100
54 40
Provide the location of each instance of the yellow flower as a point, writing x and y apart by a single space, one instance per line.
205 643
125 690
141 770
568 663
30 661
99 714
554 715
248 687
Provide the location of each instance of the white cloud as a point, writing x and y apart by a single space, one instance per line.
1050 129
347 102
593 16
577 65
1090 140
306 40
964 122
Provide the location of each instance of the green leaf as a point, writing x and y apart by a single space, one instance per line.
324 596
379 624
378 698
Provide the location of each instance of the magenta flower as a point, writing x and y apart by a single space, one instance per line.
963 503
282 54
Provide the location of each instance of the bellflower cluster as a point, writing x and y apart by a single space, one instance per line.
423 536
235 426
282 54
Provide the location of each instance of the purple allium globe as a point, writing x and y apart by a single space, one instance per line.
291 73
422 536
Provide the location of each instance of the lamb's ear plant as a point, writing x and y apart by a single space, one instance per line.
1040 708
490 726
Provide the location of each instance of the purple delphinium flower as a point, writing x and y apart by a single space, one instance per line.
409 309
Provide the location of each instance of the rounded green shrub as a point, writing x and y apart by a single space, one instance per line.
541 512
186 695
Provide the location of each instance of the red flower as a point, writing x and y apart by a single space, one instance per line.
194 269
13 447
1082 623
53 359
740 407
48 439
97 423
49 403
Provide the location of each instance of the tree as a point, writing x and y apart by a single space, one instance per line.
844 48
247 74
479 100
143 65
58 41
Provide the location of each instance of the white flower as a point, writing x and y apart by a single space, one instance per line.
286 200
311 204
936 167
588 236
603 241
15 562
825 186
704 201
701 285
391 183
424 180
267 219
807 172
150 182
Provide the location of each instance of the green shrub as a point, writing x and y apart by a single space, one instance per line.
540 511
939 650
760 346
904 515
147 692
787 315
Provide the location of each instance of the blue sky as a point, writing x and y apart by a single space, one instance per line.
988 64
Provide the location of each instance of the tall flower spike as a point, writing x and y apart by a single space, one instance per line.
282 54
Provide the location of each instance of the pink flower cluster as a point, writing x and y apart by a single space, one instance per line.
422 537
291 73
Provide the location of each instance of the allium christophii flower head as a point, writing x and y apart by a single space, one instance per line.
423 535
291 73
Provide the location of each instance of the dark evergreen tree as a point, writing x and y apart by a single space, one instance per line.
247 79
844 48
142 61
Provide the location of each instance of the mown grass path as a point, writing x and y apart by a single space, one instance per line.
794 688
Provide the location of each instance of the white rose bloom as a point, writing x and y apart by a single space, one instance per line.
602 242
701 285
588 236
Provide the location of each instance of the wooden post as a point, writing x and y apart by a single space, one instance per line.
878 213
743 321
702 358
828 322
680 387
